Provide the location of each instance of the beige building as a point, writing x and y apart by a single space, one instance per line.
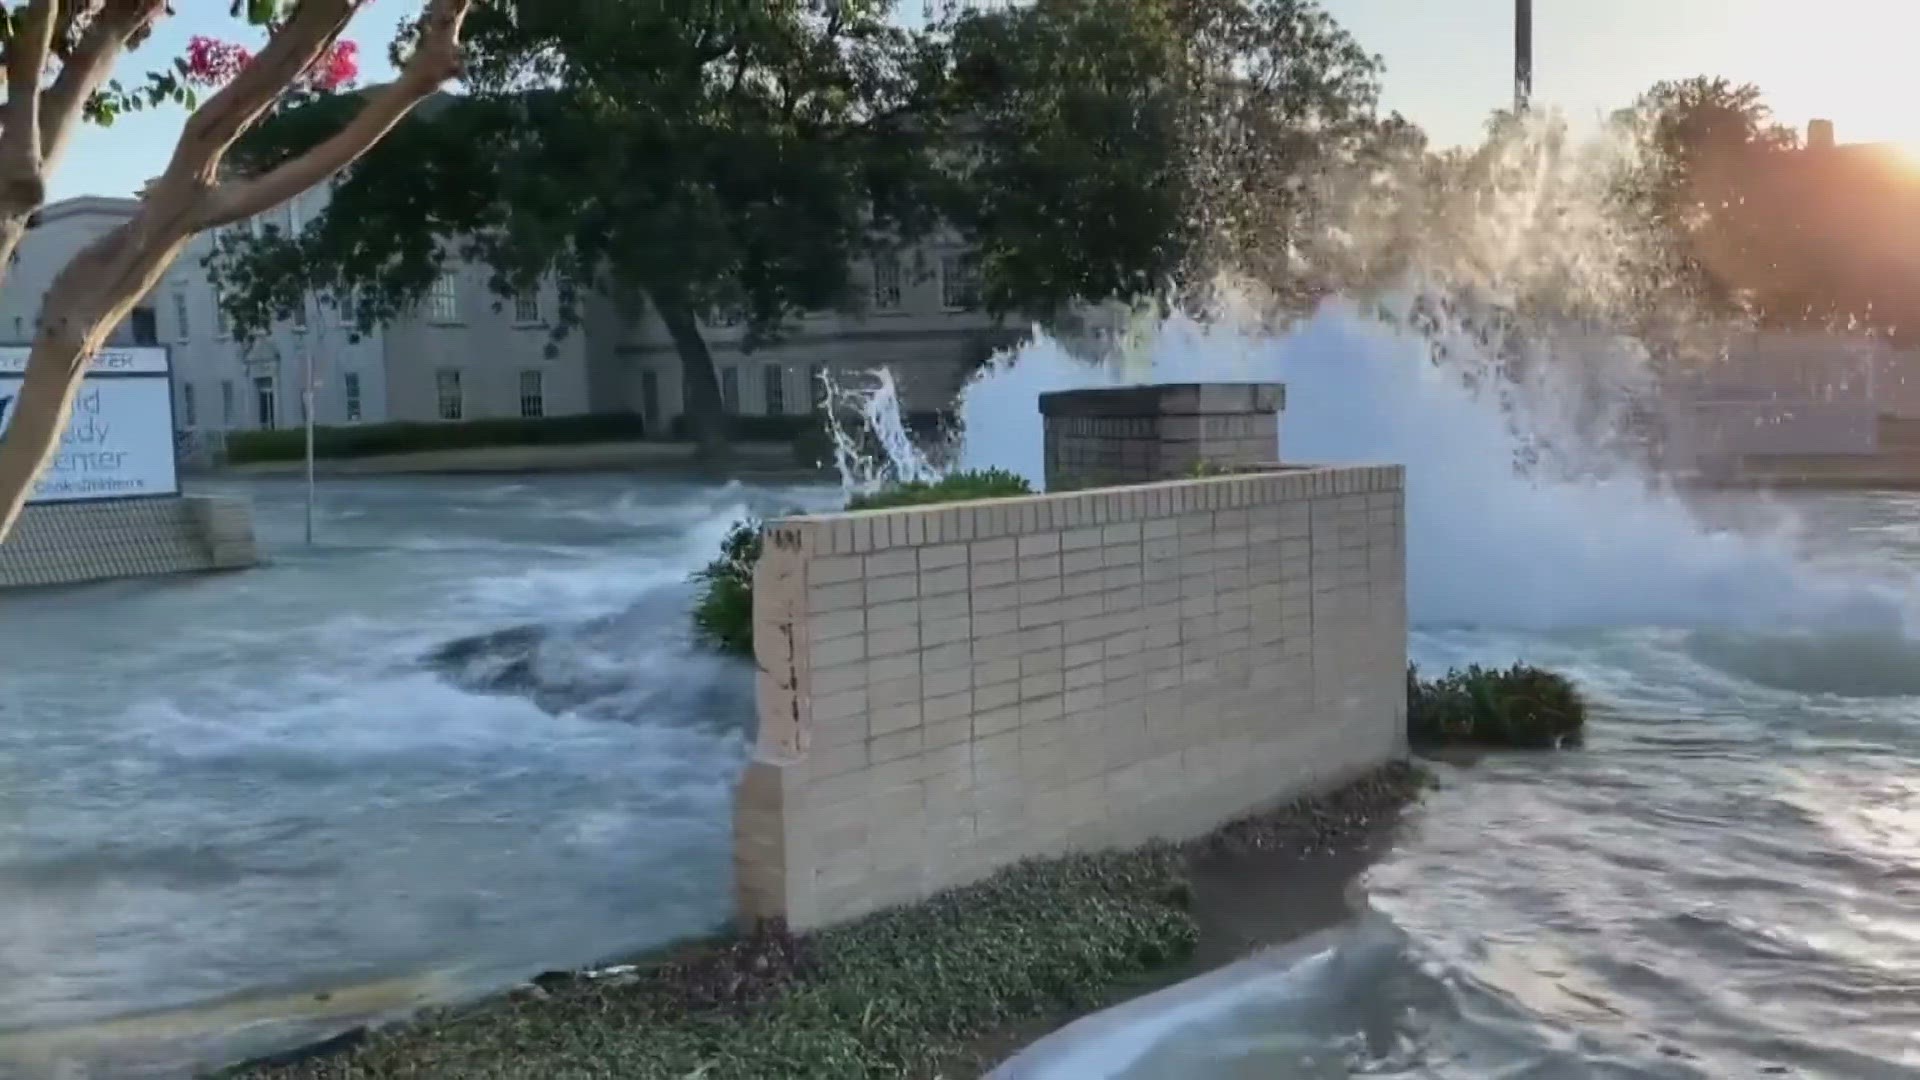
59 232
466 354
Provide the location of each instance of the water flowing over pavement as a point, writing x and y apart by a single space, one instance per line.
464 739
1722 884
467 739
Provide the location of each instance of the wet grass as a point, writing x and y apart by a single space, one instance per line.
919 992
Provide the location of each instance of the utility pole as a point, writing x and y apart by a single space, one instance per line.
306 410
1522 55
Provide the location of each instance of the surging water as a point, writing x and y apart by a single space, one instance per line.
1719 885
873 418
1590 547
1506 364
465 739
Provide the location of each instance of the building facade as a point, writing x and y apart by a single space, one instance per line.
59 232
465 353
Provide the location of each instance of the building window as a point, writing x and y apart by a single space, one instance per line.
146 326
650 395
443 300
221 324
533 396
887 291
189 409
265 412
960 281
526 308
730 389
446 384
183 326
817 387
353 397
226 403
774 383
300 315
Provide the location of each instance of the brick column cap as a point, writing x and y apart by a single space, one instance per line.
1167 399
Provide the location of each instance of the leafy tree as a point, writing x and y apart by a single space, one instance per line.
698 159
1114 147
1704 141
60 56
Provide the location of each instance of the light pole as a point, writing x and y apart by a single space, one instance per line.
1522 55
306 416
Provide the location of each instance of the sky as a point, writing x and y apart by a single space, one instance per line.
1449 63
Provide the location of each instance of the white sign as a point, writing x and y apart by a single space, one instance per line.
118 444
127 360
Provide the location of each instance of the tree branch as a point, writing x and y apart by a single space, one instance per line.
87 68
27 50
435 60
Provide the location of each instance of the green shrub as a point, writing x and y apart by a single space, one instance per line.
723 614
1522 707
723 617
787 427
954 487
290 444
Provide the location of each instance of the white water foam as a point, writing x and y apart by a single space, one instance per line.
1488 545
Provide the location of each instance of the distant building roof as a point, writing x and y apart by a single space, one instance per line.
83 205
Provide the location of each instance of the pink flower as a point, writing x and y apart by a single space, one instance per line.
336 69
211 62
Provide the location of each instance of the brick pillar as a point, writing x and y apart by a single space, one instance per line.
1139 434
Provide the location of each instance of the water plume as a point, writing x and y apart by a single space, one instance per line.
1497 323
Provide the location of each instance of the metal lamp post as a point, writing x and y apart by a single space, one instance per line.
306 409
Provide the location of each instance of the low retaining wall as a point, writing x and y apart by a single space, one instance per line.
68 543
948 689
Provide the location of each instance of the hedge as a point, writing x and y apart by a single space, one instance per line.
811 441
807 433
368 439
788 426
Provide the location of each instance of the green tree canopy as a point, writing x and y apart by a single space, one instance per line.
1114 148
1705 145
692 158
742 155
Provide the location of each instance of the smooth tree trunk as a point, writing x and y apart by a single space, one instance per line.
13 227
31 439
705 407
94 293
99 287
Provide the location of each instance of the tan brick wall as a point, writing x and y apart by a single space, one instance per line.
67 543
945 690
